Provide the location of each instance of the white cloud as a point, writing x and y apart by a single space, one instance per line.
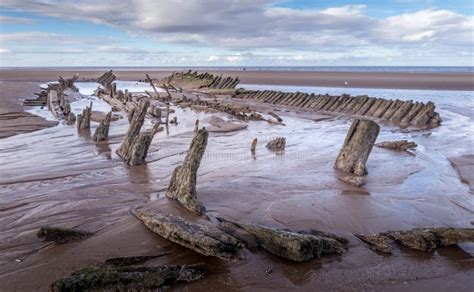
5 51
229 27
121 50
234 59
213 58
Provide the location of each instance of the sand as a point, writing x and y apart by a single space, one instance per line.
59 177
439 81
13 120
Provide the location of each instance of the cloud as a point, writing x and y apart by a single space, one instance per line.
121 50
5 51
15 20
238 26
213 58
38 37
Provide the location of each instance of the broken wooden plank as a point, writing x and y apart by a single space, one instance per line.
205 239
111 278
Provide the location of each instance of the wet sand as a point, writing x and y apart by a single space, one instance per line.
439 81
59 177
13 120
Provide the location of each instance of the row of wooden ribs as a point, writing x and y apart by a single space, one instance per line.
405 113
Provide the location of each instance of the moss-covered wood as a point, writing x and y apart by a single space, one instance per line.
102 131
422 239
134 147
84 120
204 239
182 186
357 146
61 235
296 246
111 278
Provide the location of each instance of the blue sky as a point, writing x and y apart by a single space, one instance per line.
236 33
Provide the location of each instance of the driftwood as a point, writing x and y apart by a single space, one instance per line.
102 132
106 78
241 112
404 113
110 278
54 104
98 116
61 235
68 83
253 147
196 126
423 239
277 117
155 111
357 147
116 104
277 144
150 81
397 145
218 124
134 147
204 239
84 120
195 80
182 186
40 100
296 246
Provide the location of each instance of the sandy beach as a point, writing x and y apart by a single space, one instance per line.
54 175
438 81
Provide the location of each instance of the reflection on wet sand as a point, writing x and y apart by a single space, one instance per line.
50 177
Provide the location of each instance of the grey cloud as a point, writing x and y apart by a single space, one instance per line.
15 20
259 24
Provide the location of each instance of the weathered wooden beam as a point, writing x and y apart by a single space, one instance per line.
182 186
134 147
102 132
357 146
202 238
295 246
130 278
84 120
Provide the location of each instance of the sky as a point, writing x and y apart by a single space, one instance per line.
236 33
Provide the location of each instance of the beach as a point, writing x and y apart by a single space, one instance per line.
51 174
395 80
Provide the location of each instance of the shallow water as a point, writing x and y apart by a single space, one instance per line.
58 176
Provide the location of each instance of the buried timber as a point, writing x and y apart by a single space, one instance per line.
255 214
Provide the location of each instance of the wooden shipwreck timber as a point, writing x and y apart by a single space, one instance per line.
195 80
404 113
205 231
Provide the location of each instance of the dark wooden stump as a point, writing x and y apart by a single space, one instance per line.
182 186
135 145
356 149
84 120
102 132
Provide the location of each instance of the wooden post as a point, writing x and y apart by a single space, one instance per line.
102 132
153 85
182 186
135 145
358 144
253 147
84 120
